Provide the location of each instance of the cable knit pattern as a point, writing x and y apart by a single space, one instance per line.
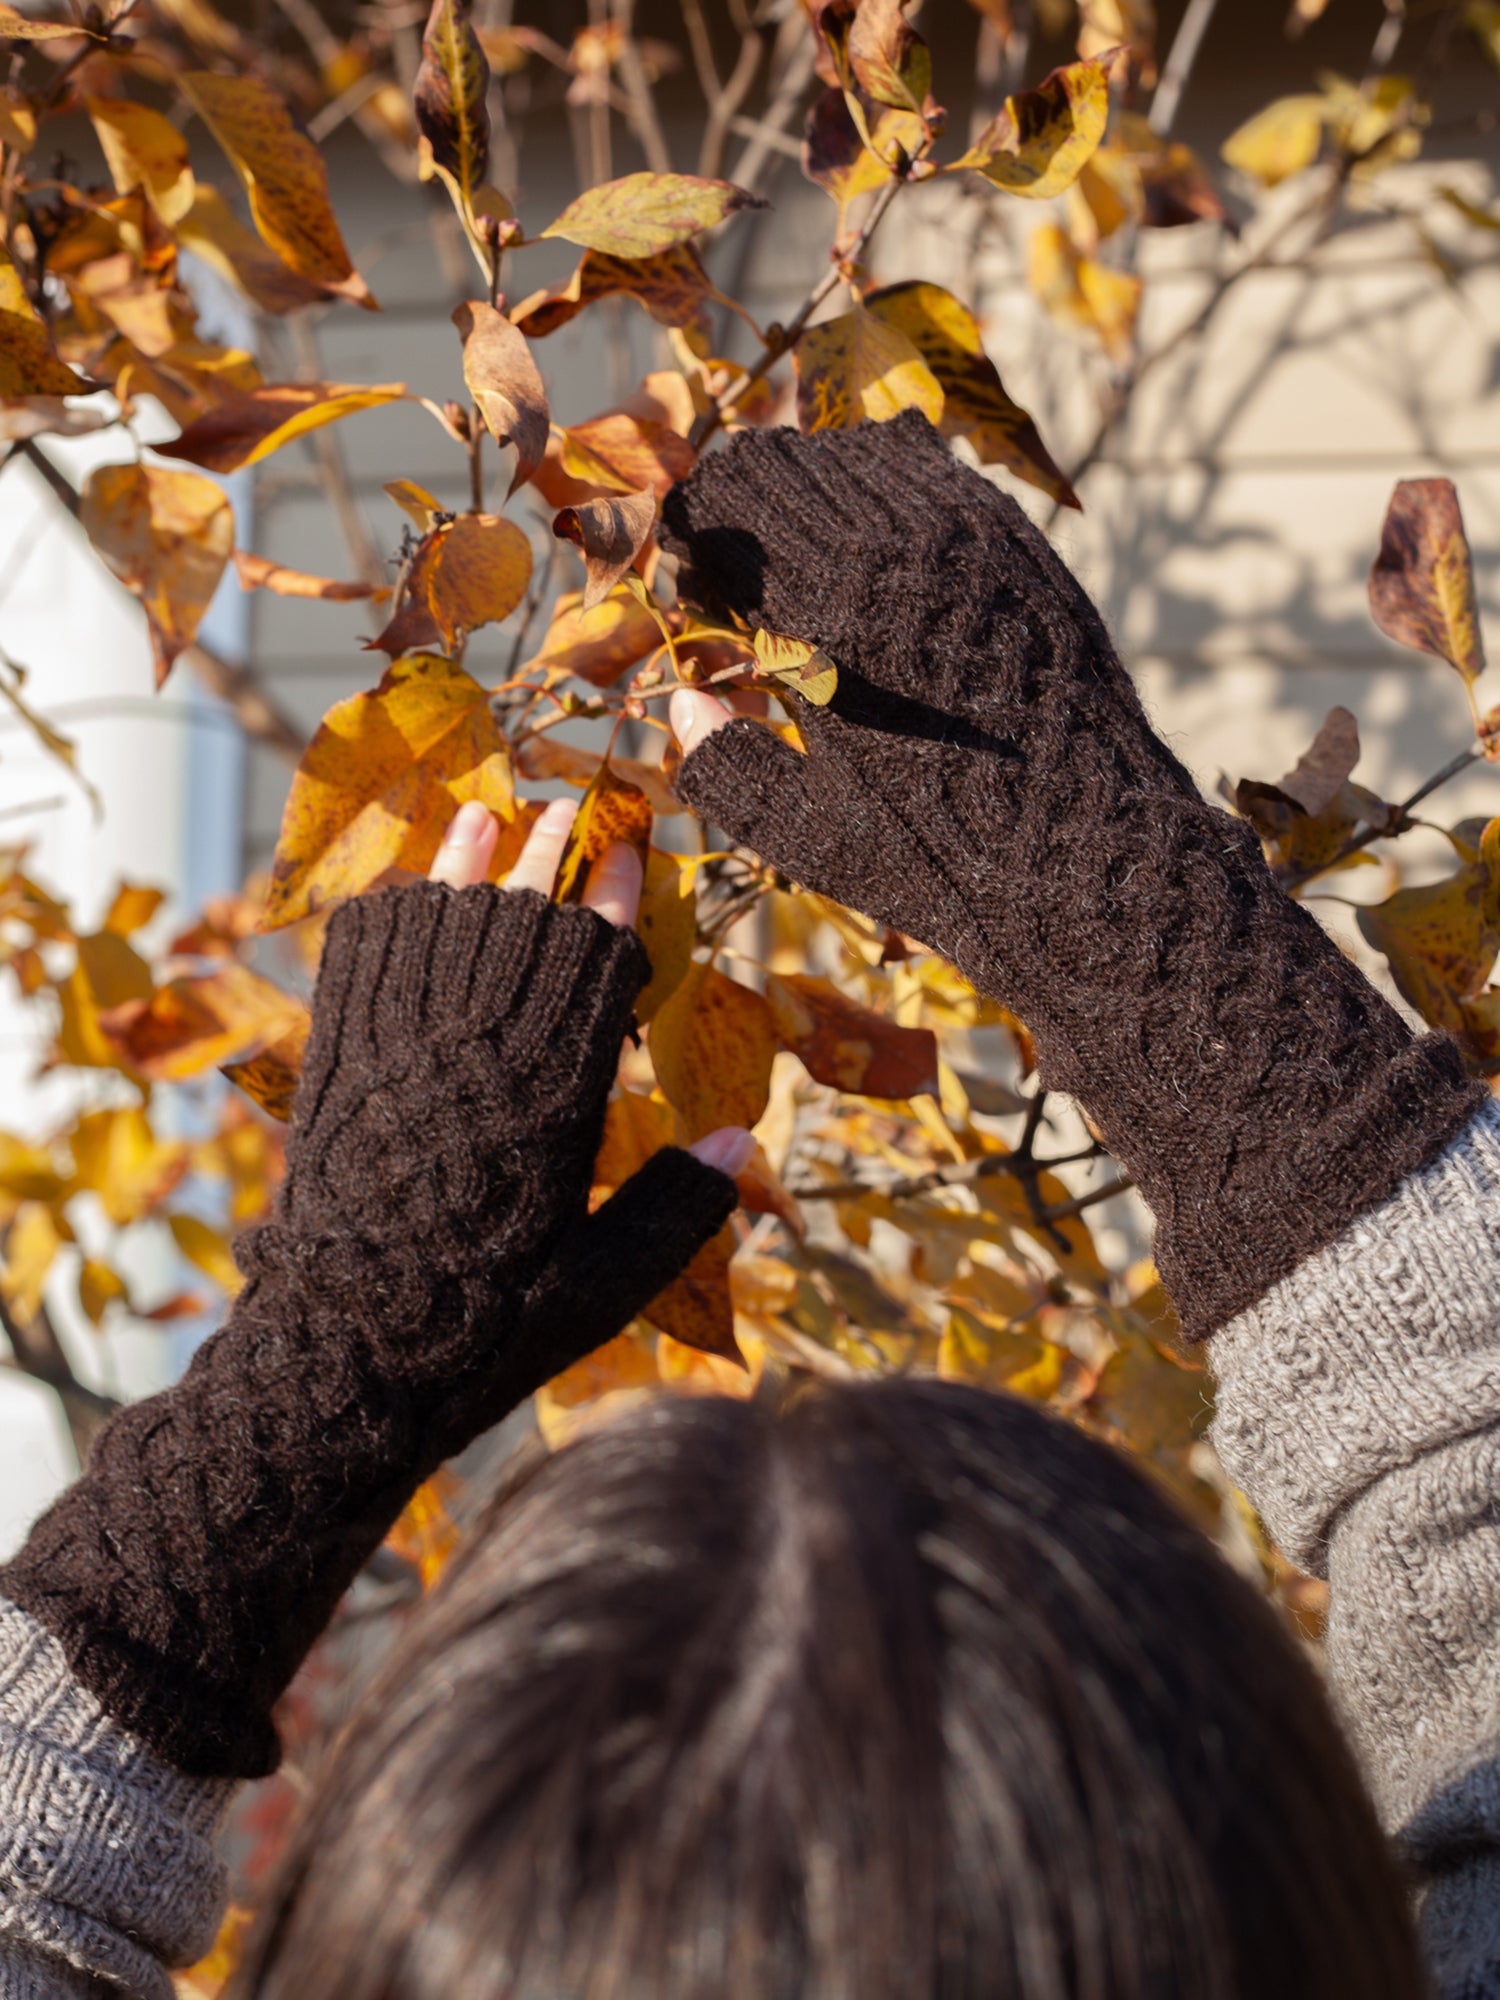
1359 1407
107 1864
430 1262
986 780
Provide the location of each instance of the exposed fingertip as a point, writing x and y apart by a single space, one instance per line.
469 825
728 1149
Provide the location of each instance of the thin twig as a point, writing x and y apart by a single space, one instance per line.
1178 66
239 687
957 1173
1066 1210
641 112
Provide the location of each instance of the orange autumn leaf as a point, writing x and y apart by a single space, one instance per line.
117 1156
270 1078
596 1388
167 536
848 1046
426 1534
547 756
611 809
857 367
698 1307
472 571
712 1044
190 1025
380 781
283 174
667 926
627 454
599 644
1441 941
242 430
260 573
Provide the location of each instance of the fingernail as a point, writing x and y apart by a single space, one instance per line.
728 1149
469 823
682 713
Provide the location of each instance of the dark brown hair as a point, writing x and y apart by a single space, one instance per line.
888 1692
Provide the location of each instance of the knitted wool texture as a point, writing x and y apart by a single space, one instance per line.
430 1262
986 780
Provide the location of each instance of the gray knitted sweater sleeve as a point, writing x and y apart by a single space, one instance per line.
108 1872
1359 1408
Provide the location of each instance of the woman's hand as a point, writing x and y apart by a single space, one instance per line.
613 890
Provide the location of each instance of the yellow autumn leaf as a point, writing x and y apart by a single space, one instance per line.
117 1156
208 1249
29 364
380 781
31 1246
476 573
712 1044
167 536
643 214
975 406
1078 291
1040 139
1278 142
99 1287
856 367
142 149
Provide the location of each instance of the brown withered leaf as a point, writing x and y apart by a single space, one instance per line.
848 1046
191 1025
1422 581
1319 773
271 1077
627 454
475 573
597 645
857 366
1308 817
611 809
283 174
242 430
712 1044
505 383
946 335
672 286
450 97
379 782
1039 139
42 416
611 533
260 573
643 214
1441 940
167 536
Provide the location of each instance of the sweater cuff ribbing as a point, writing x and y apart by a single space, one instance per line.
107 1861
1382 1346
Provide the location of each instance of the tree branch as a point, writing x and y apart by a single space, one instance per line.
237 686
1452 769
39 1353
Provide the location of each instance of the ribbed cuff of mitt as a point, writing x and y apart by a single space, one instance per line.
424 960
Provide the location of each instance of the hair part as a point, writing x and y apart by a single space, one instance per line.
896 1690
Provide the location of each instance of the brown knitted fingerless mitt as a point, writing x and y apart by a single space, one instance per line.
985 780
430 1262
